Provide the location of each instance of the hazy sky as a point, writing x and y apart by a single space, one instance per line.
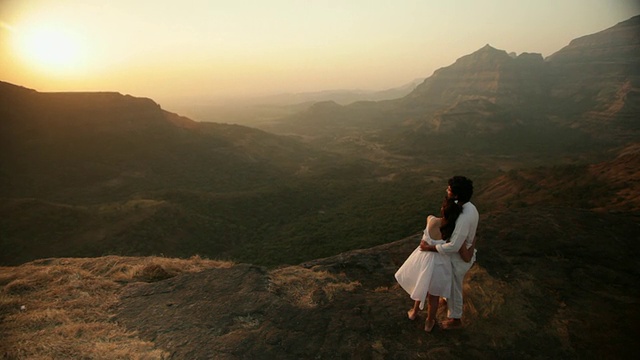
207 48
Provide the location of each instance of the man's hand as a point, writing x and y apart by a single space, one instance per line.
423 245
426 247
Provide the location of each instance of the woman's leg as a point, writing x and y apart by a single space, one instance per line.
413 313
432 312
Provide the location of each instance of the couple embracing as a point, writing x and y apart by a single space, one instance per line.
438 266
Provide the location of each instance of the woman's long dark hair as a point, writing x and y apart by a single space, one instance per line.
450 212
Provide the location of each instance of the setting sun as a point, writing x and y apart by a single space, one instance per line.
50 49
217 50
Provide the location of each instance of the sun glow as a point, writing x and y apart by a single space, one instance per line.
50 49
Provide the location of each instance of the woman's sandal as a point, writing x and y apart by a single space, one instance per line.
429 325
412 314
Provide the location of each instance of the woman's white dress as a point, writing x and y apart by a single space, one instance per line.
426 272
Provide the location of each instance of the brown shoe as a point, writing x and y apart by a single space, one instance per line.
451 324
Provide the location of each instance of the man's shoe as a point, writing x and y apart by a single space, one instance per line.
451 324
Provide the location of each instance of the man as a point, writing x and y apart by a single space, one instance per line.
461 189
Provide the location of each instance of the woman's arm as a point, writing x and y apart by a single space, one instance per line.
423 243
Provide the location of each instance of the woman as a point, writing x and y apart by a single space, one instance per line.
427 275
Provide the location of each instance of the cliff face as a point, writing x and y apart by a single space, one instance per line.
617 44
595 71
589 89
65 113
489 74
587 94
55 143
597 80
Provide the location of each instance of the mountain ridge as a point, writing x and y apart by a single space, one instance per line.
586 96
121 134
625 34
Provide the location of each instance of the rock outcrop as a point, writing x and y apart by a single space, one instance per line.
596 81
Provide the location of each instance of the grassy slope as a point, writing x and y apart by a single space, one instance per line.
46 303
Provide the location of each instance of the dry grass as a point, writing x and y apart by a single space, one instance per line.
379 351
62 308
504 310
306 288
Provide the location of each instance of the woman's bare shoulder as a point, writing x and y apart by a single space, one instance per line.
433 221
433 228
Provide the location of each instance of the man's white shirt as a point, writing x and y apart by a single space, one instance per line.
464 232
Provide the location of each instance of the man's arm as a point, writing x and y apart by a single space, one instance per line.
457 238
455 242
425 247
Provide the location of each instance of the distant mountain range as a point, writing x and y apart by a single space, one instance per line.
343 97
587 92
258 111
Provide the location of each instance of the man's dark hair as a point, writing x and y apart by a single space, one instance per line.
461 187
